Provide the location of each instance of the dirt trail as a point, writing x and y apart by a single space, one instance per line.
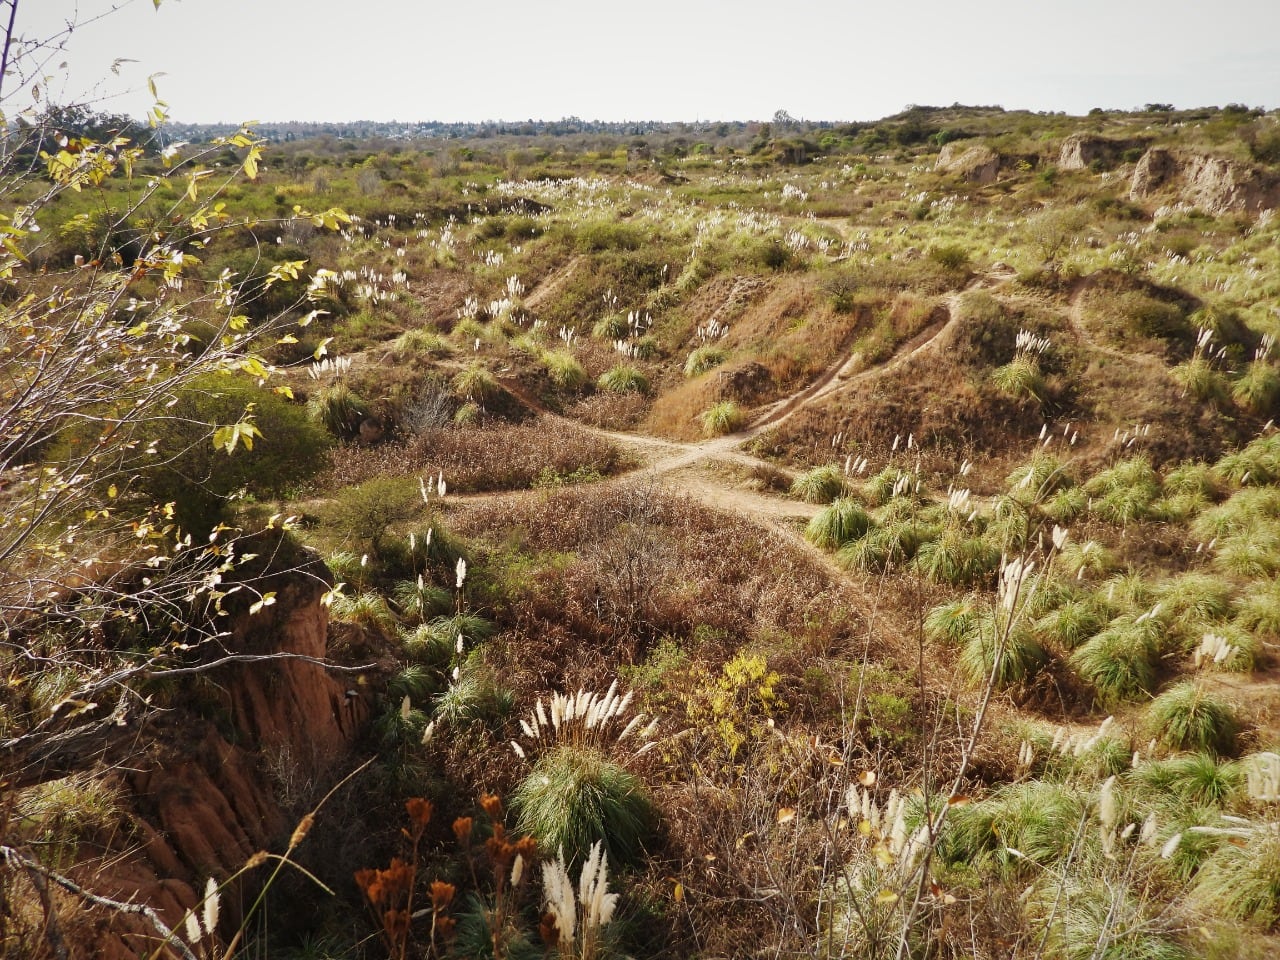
549 286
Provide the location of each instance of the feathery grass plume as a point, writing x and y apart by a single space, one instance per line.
364 609
837 524
957 559
819 485
1018 830
702 359
1198 778
1262 776
1227 647
1187 717
586 720
564 369
1258 464
575 797
339 409
889 483
623 379
721 418
1257 389
1119 663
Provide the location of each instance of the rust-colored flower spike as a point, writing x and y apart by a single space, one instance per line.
548 930
420 811
442 894
396 923
527 847
462 830
492 805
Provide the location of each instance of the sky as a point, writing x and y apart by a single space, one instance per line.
411 60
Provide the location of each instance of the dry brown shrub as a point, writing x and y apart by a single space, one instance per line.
492 456
611 411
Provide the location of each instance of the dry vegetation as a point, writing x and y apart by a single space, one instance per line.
1000 683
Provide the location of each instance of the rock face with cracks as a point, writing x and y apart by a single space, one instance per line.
1214 184
199 798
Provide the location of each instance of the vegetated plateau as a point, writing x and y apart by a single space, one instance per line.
735 541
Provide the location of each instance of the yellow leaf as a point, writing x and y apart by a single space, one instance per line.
251 162
678 892
284 391
886 896
864 827
786 814
867 778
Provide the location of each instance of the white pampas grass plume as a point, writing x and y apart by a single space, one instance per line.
211 902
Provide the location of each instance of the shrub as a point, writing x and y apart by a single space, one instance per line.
367 510
475 383
1186 717
703 359
1196 778
950 256
1242 880
564 369
623 379
573 798
1039 819
1118 663
957 559
339 409
819 485
199 478
721 418
1006 655
1257 389
834 526
419 343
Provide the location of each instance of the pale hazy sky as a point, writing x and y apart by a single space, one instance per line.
236 60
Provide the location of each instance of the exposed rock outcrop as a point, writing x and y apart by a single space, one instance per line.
1214 184
1080 151
976 163
199 794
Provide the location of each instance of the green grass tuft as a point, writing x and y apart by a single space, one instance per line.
843 521
1187 717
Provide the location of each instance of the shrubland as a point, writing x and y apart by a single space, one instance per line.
978 663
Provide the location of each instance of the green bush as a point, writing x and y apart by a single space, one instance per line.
819 485
199 479
573 798
623 379
1187 717
835 525
721 418
366 511
339 409
702 359
564 369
